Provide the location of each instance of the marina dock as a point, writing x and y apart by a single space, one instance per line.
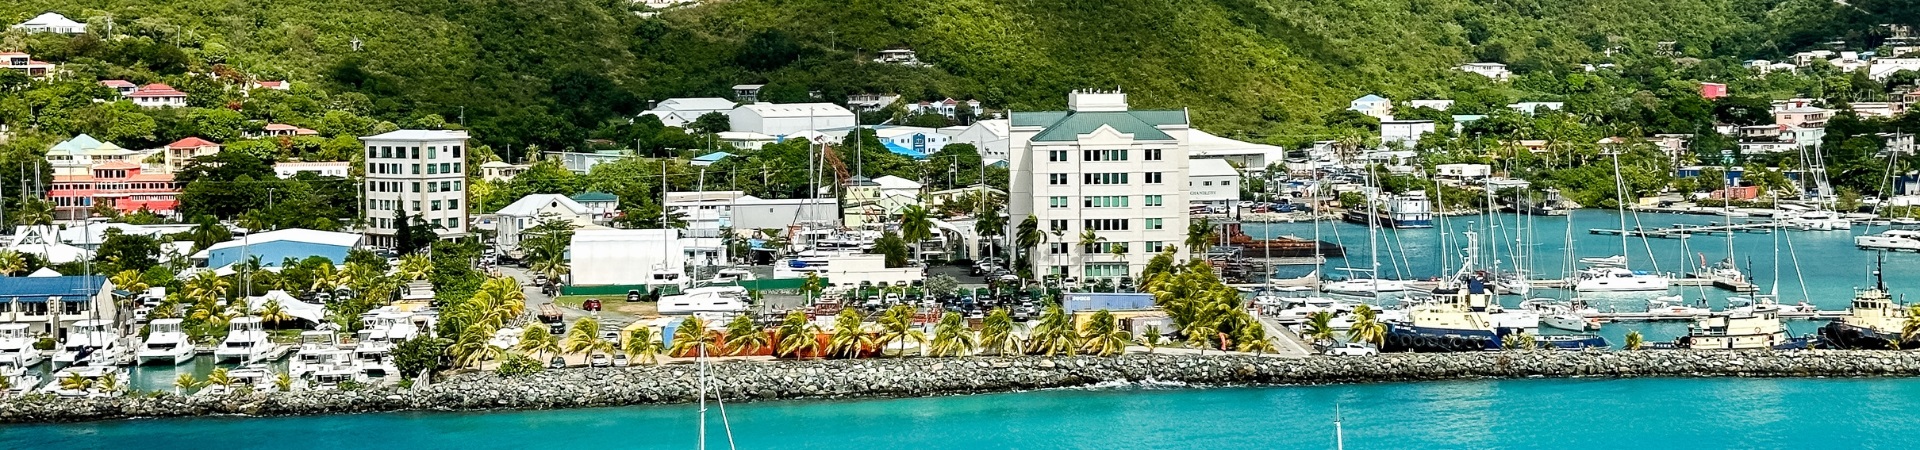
1683 230
1662 316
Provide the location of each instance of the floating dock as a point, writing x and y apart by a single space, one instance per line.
1682 230
1660 316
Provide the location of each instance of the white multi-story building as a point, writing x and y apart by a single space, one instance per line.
322 168
781 119
1213 183
1496 71
1099 166
1404 131
421 173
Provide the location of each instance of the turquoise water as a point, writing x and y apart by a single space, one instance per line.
1560 414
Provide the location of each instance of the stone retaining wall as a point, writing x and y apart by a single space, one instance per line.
911 377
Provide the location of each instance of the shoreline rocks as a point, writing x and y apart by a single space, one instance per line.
920 377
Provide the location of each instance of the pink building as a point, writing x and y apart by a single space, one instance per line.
1713 90
120 184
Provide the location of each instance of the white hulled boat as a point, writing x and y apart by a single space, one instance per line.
246 341
19 379
1896 240
319 350
166 342
16 346
255 377
718 299
95 381
1619 279
92 339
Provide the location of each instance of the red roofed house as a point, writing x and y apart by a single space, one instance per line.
124 87
119 184
184 151
1712 91
158 96
275 85
281 129
25 63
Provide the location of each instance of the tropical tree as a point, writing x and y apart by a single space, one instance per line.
997 333
850 336
538 341
1089 245
1910 329
1319 328
1103 335
184 383
6 385
1518 342
273 313
1055 334
219 378
474 346
1253 339
1152 337
1029 237
952 337
643 346
75 382
585 338
745 336
916 227
798 336
108 383
283 382
1367 326
415 267
34 211
896 325
692 338
1634 340
207 231
11 263
1199 236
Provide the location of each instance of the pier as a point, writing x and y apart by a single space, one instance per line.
1683 230
1667 316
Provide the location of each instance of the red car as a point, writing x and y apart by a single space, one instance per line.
592 304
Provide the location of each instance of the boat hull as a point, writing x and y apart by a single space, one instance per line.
1407 338
1624 284
1852 337
1385 221
171 358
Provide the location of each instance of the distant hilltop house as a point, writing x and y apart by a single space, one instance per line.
901 56
281 129
664 3
1531 108
158 96
1881 69
501 171
678 112
1712 91
74 156
274 85
24 63
338 169
123 87
1437 105
1496 71
51 23
747 93
1373 105
869 102
780 119
948 107
183 151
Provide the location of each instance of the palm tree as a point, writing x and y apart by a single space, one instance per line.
812 287
219 378
1253 339
997 333
183 383
553 268
989 223
797 336
1089 245
11 263
1201 335
283 382
896 325
75 382
952 337
538 341
1320 328
474 346
1029 237
1367 326
915 227
585 338
1199 236
850 336
1152 337
273 313
415 267
208 231
1634 340
108 383
1103 335
1911 328
1517 342
1055 334
643 346
326 278
745 336
34 211
692 338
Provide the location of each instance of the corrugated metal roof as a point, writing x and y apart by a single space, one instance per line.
45 286
1140 124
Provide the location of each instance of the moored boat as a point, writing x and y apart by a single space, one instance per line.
1873 322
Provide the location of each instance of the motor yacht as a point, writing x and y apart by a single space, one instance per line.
1561 315
1819 221
319 349
246 341
719 299
16 346
19 379
1895 240
1365 286
1619 279
95 380
166 343
89 340
254 377
732 275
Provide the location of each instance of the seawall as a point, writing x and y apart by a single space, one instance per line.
913 377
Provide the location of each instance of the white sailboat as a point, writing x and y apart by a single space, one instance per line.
1610 274
90 340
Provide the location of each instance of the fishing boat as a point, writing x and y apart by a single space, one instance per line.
16 346
166 343
1873 321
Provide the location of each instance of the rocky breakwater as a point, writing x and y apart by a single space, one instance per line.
911 377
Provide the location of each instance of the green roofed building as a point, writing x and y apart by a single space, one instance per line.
1099 166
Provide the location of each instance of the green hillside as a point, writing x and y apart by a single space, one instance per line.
550 73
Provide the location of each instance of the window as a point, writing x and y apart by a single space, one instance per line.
446 167
1156 200
1103 155
1105 224
453 204
1056 202
1152 154
433 152
387 152
416 153
433 187
1106 248
435 169
1056 155
416 205
1057 248
1156 224
456 186
1153 178
416 186
1105 201
1057 225
373 204
1204 183
1104 178
1226 182
1106 270
1057 179
456 167
436 205
1155 246
416 169
372 151
456 151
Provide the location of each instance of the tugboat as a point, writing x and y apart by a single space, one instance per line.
1460 318
1749 327
1873 321
1409 210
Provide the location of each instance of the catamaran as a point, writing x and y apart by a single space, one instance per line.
92 339
16 346
166 343
718 299
246 341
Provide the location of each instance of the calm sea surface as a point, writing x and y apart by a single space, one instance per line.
1558 414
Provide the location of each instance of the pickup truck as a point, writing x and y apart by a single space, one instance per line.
550 314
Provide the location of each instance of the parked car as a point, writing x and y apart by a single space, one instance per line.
592 304
557 328
557 363
1352 349
539 280
620 360
599 360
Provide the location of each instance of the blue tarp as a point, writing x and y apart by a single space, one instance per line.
897 149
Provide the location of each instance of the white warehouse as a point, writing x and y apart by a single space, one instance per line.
781 119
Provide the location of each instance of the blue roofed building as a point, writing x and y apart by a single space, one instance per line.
50 306
272 247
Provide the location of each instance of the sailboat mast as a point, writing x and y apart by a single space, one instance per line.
1339 436
1620 203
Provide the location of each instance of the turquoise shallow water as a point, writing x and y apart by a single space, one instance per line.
1509 414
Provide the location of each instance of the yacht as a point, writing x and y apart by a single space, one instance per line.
19 379
96 378
731 275
319 350
246 341
1619 279
1366 286
1744 328
254 377
16 346
1819 221
1462 317
1873 322
94 340
1895 240
166 343
1560 315
805 262
1673 305
720 299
